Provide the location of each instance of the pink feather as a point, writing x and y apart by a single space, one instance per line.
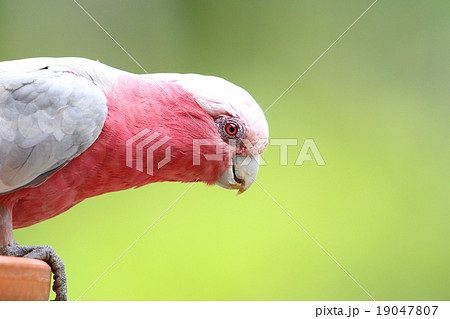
133 105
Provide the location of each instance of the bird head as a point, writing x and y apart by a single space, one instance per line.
216 130
240 123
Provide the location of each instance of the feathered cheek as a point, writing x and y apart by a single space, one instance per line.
252 146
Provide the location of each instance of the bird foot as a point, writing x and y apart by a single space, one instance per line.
47 254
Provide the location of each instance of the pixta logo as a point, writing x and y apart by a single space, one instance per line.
136 144
149 141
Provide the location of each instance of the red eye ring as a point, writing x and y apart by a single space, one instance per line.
231 129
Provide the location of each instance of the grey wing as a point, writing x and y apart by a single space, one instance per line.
47 118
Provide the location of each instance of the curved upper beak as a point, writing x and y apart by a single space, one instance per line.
241 174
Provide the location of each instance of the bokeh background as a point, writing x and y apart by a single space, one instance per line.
376 105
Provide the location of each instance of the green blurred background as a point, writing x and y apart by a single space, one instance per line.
376 105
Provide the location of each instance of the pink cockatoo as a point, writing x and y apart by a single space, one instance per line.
69 128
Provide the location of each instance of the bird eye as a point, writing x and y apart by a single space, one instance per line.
231 129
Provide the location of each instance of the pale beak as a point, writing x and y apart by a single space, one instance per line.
241 174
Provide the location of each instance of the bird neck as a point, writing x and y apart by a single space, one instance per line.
152 134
